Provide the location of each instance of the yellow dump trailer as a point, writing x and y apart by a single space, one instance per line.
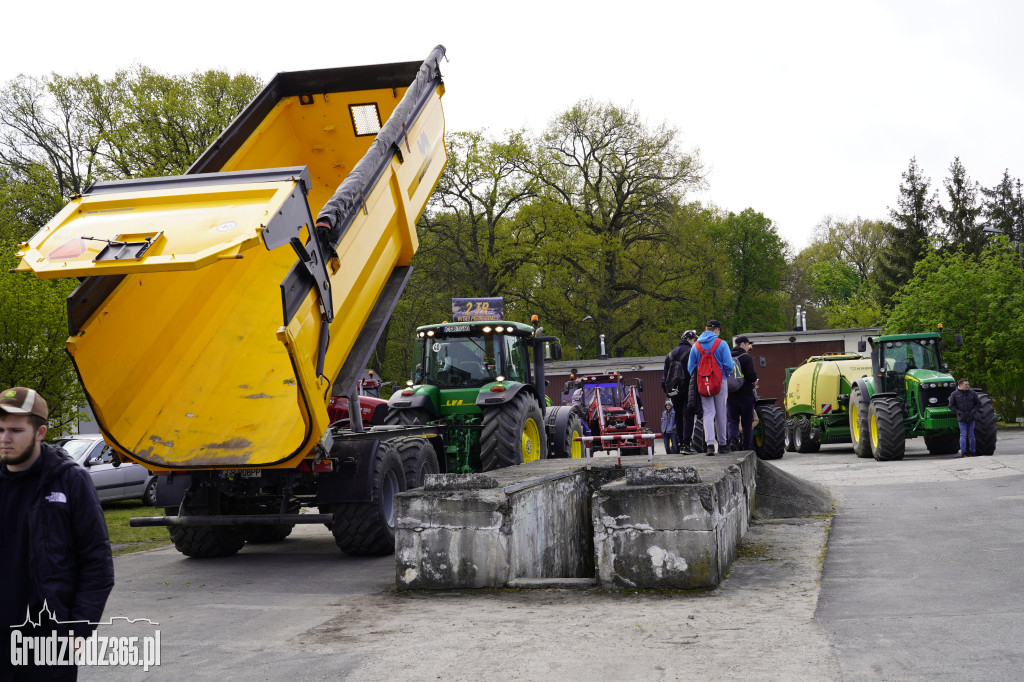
220 310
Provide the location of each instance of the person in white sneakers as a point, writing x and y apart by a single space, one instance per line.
711 361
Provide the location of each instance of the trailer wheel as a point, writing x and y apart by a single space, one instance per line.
888 435
270 532
418 460
985 428
790 446
512 433
368 528
203 542
860 434
408 417
802 436
770 432
943 445
572 448
697 441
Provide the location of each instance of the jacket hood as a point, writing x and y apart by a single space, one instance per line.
706 339
55 460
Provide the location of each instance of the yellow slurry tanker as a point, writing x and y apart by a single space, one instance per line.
220 310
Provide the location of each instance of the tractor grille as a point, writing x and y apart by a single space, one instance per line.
940 395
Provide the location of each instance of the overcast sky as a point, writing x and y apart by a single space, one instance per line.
798 109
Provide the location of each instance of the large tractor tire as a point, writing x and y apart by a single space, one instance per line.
418 460
943 445
790 428
860 434
985 428
770 433
368 528
888 435
512 434
271 532
802 436
204 542
407 417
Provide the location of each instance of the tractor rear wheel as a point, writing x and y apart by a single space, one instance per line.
888 435
942 445
418 460
985 428
770 432
368 528
790 428
860 434
512 433
802 436
407 417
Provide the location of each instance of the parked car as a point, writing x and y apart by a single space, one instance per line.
126 482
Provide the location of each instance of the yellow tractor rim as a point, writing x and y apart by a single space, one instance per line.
874 431
575 446
531 441
854 422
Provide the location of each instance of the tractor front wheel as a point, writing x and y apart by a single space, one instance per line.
770 432
418 460
573 448
888 435
985 428
408 417
512 433
860 434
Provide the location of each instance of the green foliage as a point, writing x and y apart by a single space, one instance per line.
982 299
963 231
1003 208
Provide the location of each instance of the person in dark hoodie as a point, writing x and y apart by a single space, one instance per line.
53 538
741 401
678 393
965 403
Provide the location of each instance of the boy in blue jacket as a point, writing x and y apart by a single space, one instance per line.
715 409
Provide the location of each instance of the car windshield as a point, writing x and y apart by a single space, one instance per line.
76 447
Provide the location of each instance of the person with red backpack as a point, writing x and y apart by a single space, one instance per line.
710 362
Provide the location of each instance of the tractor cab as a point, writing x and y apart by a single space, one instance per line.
472 355
612 407
907 363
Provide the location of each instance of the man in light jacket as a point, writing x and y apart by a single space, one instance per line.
715 413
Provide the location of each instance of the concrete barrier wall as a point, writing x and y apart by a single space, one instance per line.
558 520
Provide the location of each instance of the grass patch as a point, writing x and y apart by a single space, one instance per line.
124 538
754 550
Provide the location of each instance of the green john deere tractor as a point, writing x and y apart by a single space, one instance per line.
907 396
482 386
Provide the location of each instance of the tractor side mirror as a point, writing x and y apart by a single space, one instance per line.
640 385
958 340
861 346
556 351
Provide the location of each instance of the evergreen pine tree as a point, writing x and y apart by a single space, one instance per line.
908 237
962 229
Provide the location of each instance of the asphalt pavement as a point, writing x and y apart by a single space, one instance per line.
920 580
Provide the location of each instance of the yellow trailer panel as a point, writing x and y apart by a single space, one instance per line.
201 338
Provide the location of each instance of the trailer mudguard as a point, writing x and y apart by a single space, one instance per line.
352 479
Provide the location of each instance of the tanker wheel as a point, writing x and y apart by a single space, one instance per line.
368 528
770 433
888 435
802 436
418 460
943 445
204 542
697 441
512 434
860 434
270 532
408 417
790 446
985 428
572 448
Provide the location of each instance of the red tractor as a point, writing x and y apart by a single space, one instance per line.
614 412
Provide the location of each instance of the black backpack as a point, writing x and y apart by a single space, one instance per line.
677 379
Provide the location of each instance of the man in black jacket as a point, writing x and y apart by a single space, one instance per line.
741 401
965 403
53 537
677 392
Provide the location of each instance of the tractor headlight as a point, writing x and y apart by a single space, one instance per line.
933 401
